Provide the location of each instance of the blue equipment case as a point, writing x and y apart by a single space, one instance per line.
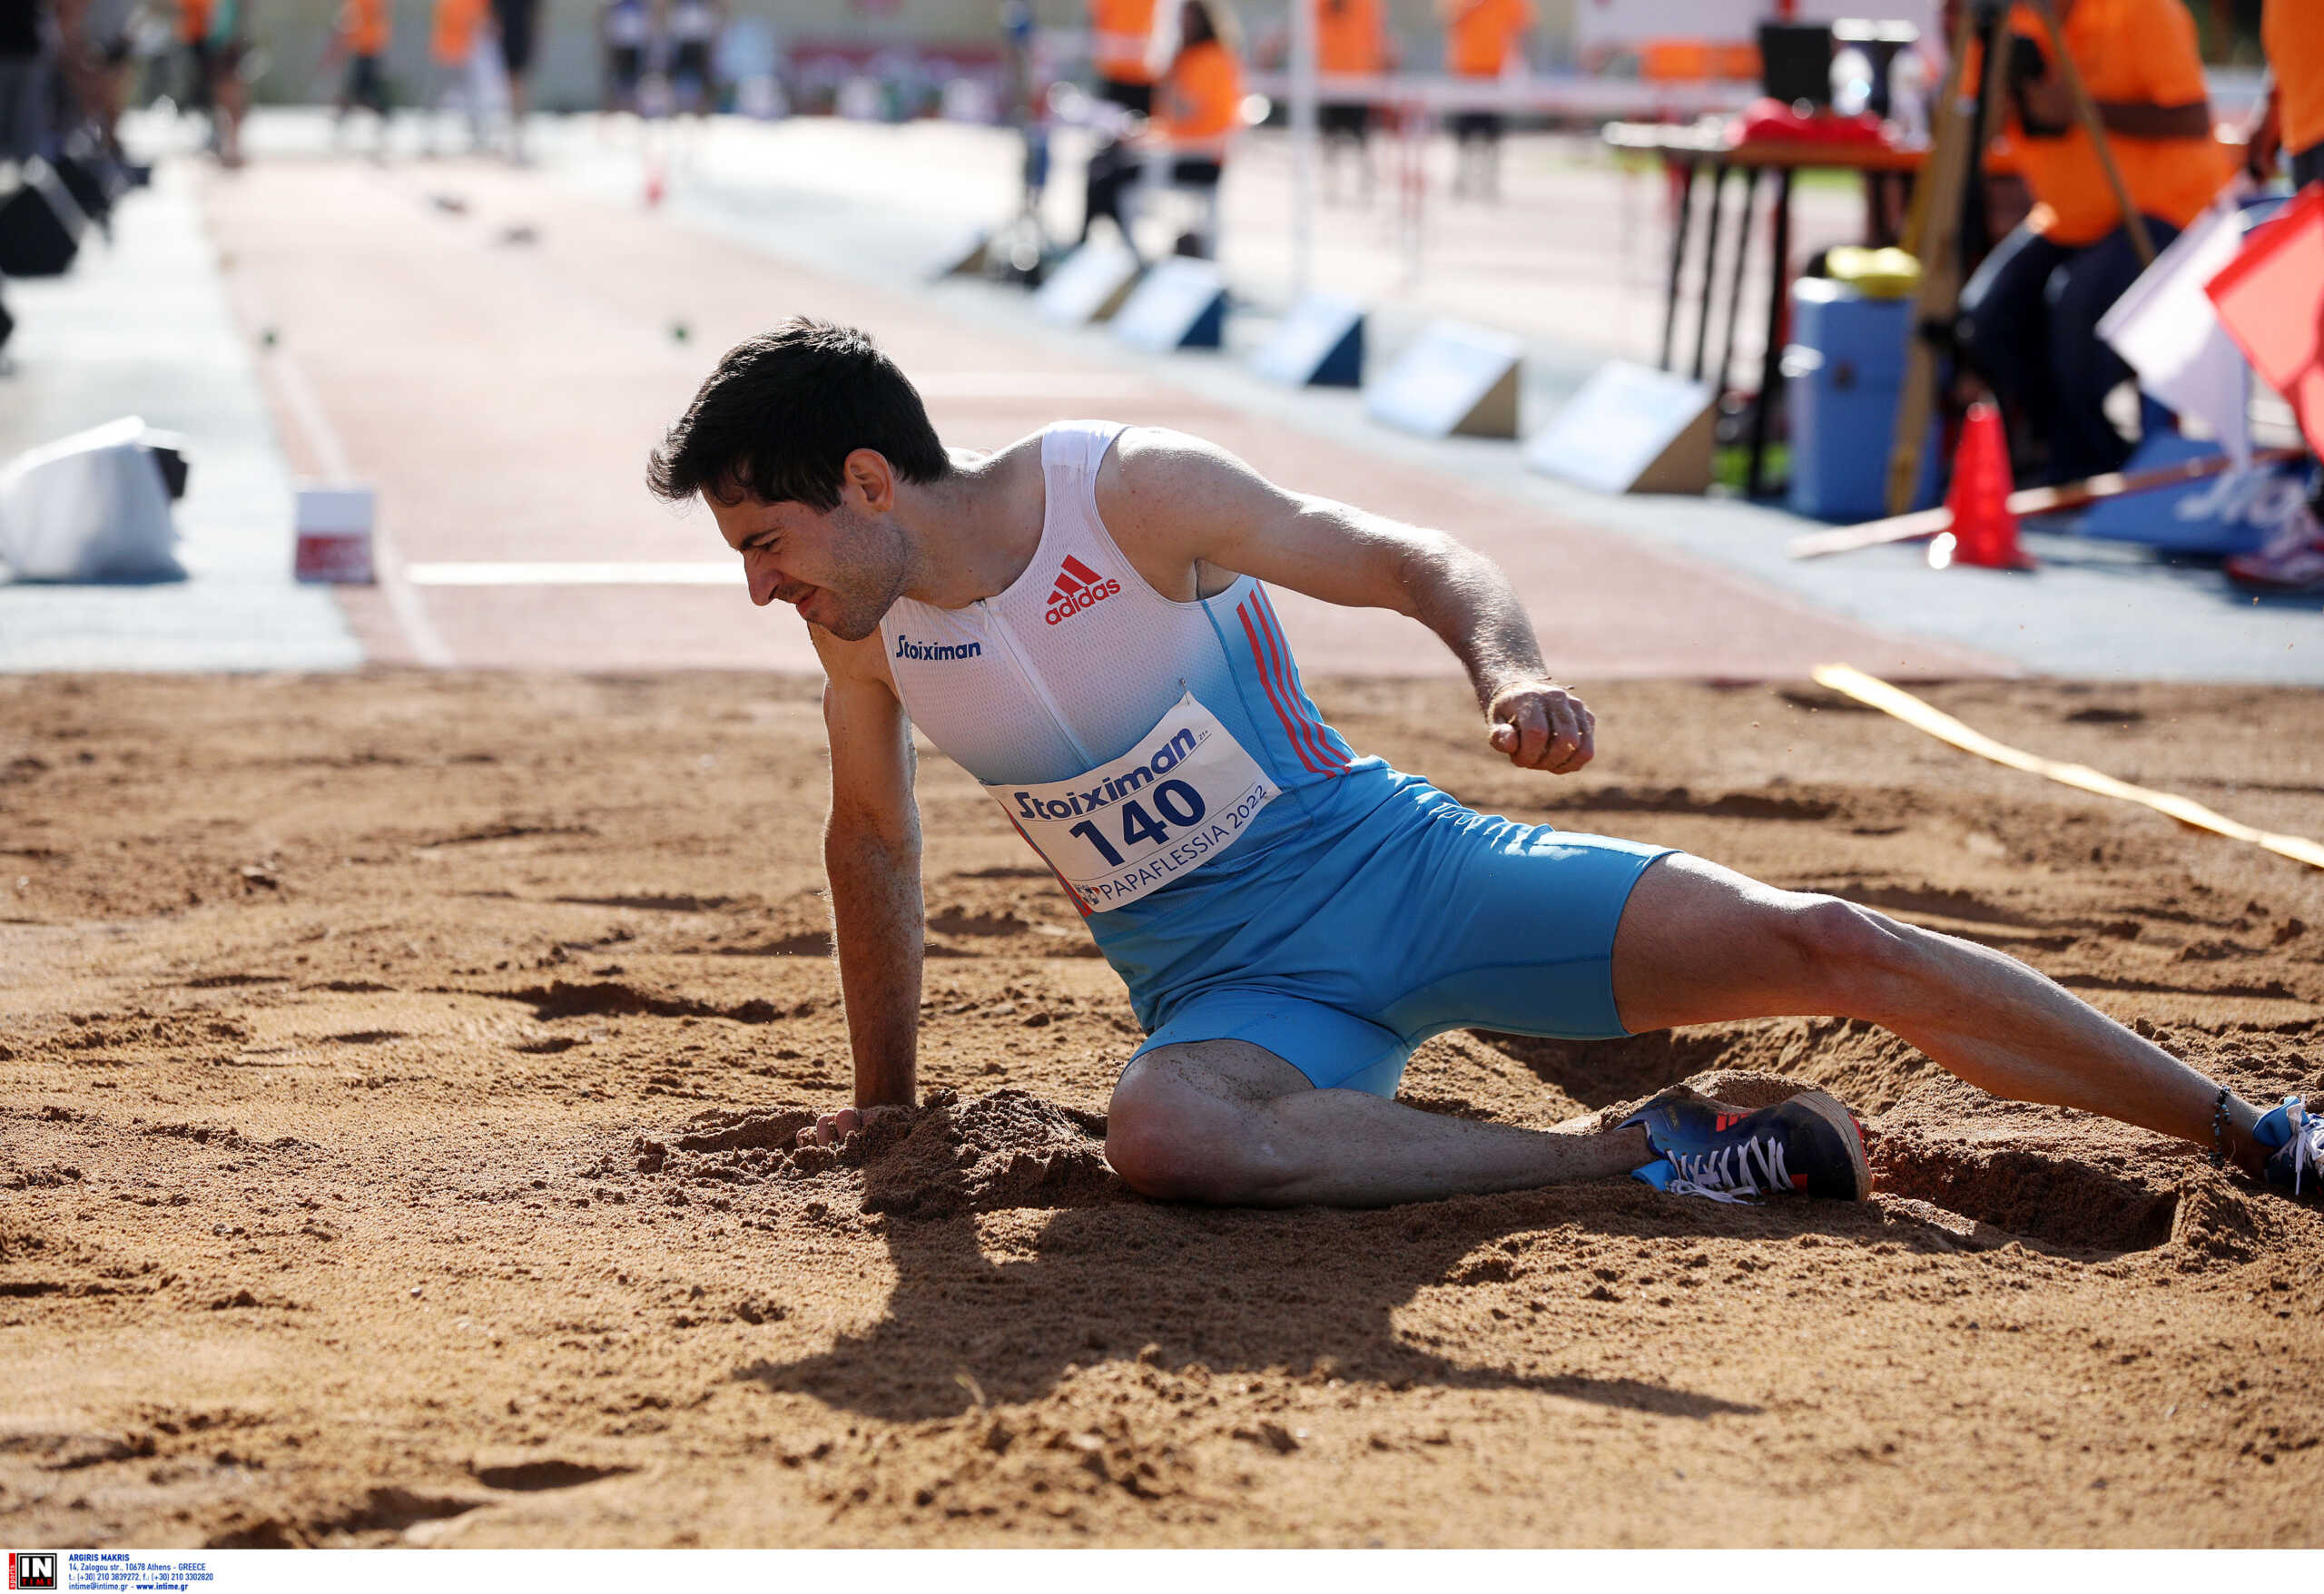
1843 370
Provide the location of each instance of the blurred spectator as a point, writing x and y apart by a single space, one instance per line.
452 45
193 33
225 47
28 56
1351 40
515 22
2290 125
2031 312
364 32
1121 40
1024 98
1198 107
1122 51
1482 42
624 30
99 60
695 27
1200 111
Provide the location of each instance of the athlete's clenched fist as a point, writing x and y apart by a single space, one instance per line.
1542 727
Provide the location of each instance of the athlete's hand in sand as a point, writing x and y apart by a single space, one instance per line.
1542 727
835 1128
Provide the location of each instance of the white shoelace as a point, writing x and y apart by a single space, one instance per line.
2306 1144
1727 1174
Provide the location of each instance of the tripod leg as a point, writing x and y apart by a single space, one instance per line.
2086 110
1948 100
1955 163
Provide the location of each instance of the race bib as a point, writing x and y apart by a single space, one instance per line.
1182 796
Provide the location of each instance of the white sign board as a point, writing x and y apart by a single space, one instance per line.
1321 342
1179 304
1452 378
1088 287
1630 429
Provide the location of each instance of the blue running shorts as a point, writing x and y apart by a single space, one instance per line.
1420 917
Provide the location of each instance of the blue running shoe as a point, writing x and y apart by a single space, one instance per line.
1806 1146
2295 1139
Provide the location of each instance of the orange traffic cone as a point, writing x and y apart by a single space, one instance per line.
1984 529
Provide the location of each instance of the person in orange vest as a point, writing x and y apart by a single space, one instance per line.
1351 40
1122 50
1197 110
2030 313
193 33
452 41
364 31
1200 110
1480 43
2289 128
1121 36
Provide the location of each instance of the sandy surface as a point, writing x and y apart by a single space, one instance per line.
394 1072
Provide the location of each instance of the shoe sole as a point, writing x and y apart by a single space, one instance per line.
1828 1109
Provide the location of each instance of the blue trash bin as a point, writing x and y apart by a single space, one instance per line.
1842 373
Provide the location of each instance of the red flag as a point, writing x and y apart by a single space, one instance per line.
2270 300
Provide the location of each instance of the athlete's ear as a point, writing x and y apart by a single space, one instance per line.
867 470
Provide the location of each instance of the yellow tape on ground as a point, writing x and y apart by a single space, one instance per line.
1868 689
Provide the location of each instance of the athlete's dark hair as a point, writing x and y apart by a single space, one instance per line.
779 417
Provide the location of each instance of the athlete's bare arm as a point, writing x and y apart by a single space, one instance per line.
871 854
1184 510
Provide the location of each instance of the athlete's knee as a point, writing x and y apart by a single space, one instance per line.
1174 1141
1857 954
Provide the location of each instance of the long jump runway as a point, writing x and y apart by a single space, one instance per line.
497 356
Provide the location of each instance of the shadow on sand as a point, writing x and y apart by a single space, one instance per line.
1302 1291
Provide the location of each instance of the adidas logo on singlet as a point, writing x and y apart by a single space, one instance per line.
1078 587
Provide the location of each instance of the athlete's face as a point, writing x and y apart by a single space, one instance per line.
839 569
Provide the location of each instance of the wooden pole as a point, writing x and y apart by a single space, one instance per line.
2073 494
1956 161
2086 110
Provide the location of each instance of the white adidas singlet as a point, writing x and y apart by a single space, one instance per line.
1130 738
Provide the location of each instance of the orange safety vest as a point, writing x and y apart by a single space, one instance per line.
1202 101
453 42
1481 34
194 21
2292 31
1121 29
1351 36
2136 51
364 25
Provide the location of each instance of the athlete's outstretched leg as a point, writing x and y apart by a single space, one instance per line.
1228 1122
1700 944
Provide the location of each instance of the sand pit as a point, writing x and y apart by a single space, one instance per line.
397 1077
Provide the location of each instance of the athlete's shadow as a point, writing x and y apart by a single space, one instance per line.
1310 1292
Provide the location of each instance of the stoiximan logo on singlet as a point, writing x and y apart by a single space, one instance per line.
906 648
1078 587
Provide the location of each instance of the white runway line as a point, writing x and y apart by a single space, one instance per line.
578 573
427 643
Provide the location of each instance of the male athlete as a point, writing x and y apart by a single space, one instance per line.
1080 621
